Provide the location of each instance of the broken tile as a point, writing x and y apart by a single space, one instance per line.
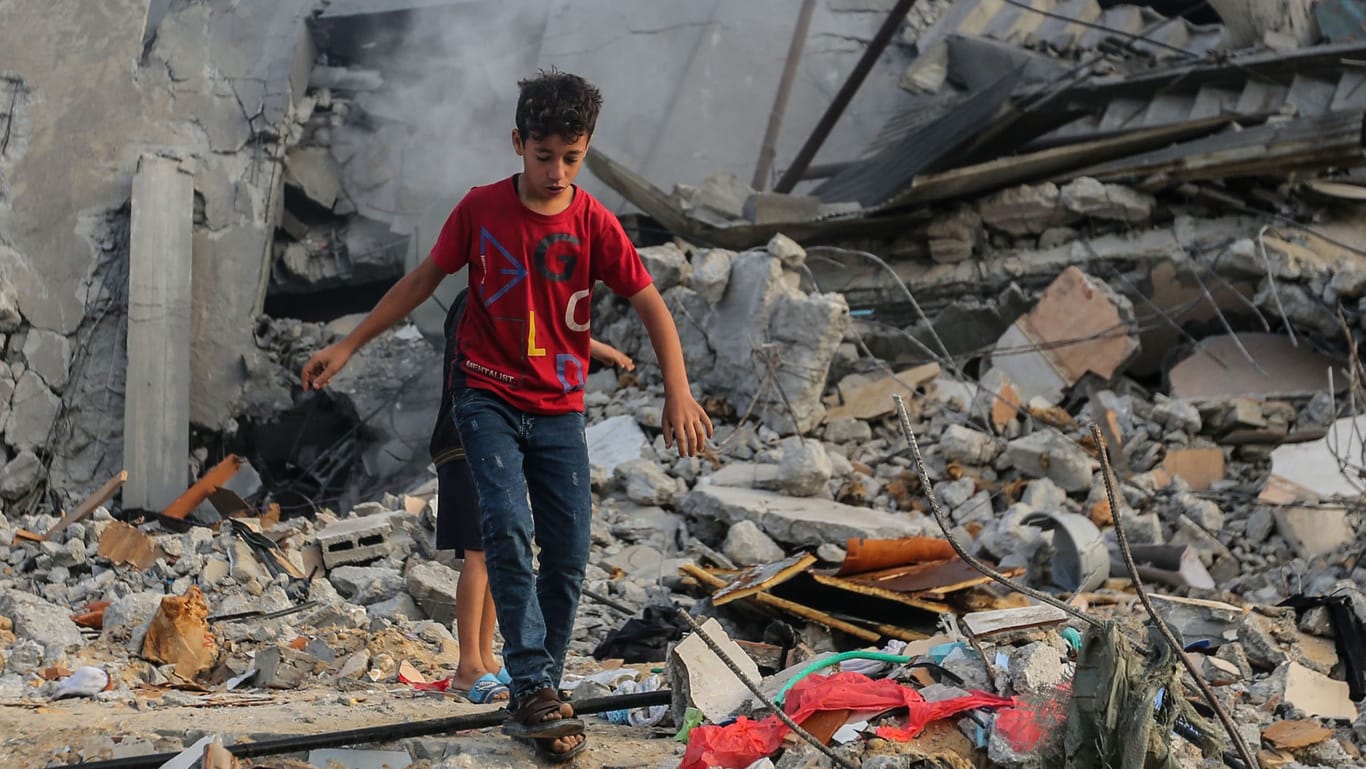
1199 467
1313 531
870 398
701 680
1218 370
1315 694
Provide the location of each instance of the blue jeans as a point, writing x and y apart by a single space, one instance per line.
523 463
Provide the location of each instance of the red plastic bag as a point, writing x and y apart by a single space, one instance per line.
745 741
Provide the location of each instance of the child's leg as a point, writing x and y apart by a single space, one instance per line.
487 625
492 431
470 593
557 478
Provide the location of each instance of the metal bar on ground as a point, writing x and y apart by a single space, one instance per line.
382 734
807 153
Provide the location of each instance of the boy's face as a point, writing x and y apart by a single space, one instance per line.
549 164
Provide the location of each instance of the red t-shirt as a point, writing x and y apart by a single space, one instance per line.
525 331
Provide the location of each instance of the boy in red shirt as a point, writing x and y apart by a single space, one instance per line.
535 244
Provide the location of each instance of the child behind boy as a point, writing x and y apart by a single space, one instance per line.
457 528
536 245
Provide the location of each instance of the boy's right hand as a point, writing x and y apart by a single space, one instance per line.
323 365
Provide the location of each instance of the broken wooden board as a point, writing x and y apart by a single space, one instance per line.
88 505
985 623
873 399
759 578
791 607
1199 467
865 555
124 545
864 588
201 489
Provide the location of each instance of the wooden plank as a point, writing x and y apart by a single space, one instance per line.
88 505
218 475
757 579
985 623
156 422
881 592
791 607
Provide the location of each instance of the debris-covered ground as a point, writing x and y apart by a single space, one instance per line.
1132 245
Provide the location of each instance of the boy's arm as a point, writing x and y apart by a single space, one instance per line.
410 291
609 355
684 419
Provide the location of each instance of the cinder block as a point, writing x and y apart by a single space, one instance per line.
355 540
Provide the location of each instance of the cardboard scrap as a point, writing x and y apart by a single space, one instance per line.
124 545
179 635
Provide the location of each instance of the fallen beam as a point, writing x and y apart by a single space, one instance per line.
382 734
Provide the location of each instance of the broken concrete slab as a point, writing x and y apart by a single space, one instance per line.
963 444
954 238
366 584
1217 369
780 208
1198 467
32 412
1049 454
701 680
49 354
1312 471
1314 531
313 171
1314 694
39 620
1079 325
667 264
611 442
433 586
646 483
1200 620
1024 210
280 667
1088 197
864 397
794 521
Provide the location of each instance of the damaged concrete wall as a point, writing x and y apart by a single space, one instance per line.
213 86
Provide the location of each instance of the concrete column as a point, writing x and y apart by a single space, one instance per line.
156 415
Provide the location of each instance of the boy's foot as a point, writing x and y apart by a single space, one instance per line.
557 750
541 716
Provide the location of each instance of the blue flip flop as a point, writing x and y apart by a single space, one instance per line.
486 690
504 677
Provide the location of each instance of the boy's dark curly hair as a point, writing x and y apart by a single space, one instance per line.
557 103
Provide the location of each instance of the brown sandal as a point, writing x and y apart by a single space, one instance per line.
530 718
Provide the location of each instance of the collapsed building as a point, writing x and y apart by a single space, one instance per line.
1064 216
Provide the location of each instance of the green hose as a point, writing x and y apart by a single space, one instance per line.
835 660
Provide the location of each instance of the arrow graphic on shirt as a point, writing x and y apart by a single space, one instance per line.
516 270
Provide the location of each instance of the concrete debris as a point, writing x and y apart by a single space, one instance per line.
295 189
1079 326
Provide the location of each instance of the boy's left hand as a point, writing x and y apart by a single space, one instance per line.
686 423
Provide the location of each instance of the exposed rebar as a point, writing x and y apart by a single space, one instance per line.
1224 718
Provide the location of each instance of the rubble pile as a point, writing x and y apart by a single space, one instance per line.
808 470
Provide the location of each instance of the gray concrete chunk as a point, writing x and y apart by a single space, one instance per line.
1048 454
33 410
710 273
38 620
747 545
433 586
805 467
667 265
794 521
20 475
49 354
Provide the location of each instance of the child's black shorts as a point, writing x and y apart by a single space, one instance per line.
457 509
